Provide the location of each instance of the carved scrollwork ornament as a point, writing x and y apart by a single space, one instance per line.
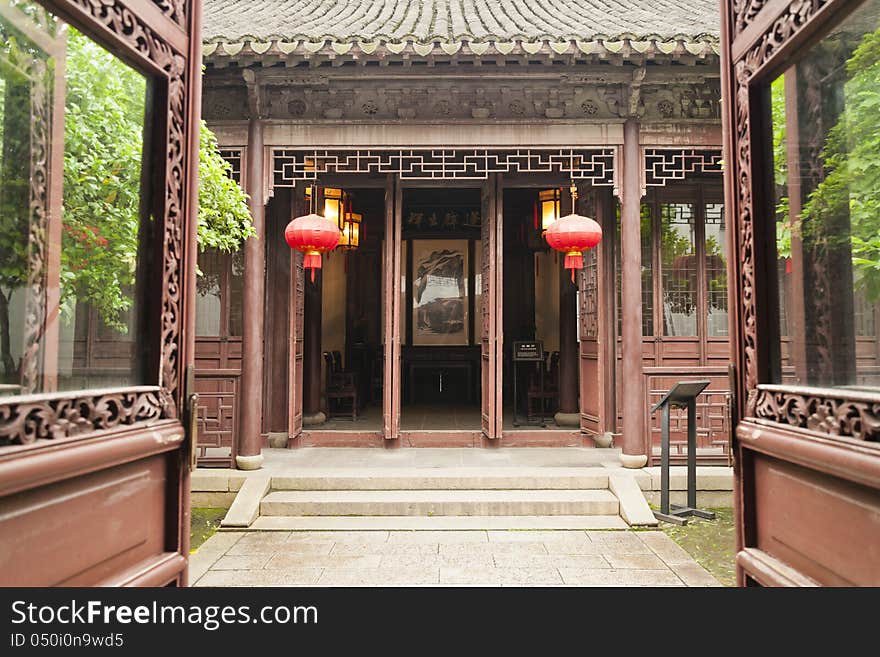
834 416
60 417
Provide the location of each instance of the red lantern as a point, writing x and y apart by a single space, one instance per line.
313 235
573 234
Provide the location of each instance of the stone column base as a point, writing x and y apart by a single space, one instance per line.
604 439
567 419
254 462
634 460
314 419
278 439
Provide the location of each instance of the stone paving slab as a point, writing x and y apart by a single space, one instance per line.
478 558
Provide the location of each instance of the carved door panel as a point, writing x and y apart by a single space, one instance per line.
801 92
296 348
589 344
490 312
103 443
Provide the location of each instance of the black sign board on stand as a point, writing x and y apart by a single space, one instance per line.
528 352
682 395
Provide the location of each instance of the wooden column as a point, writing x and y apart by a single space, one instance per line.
312 413
249 439
568 414
633 402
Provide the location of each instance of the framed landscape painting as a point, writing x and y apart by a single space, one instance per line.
440 292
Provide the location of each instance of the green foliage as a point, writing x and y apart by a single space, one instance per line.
103 146
851 158
780 167
103 155
224 218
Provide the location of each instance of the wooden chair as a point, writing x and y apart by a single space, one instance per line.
340 386
550 392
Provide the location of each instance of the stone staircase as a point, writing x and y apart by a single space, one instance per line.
431 499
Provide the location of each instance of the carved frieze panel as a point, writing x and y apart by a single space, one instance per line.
665 164
681 101
64 417
837 416
226 102
594 165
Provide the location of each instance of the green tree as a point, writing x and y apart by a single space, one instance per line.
851 159
105 103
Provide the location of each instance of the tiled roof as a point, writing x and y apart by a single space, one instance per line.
443 26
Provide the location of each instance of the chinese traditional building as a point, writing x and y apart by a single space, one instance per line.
443 138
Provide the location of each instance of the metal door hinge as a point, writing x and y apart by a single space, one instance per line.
191 415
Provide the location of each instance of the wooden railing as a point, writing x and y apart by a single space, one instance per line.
713 421
217 416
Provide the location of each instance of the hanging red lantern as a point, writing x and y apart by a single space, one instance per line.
573 234
313 235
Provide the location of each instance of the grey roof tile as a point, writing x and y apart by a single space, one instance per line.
457 20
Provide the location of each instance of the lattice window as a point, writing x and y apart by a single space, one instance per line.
593 165
233 156
663 164
588 300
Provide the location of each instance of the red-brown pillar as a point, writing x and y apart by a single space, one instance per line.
569 358
312 365
633 402
249 455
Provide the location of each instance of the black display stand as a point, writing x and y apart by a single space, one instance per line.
683 395
527 352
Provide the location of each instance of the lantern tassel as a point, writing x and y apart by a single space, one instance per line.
312 261
574 260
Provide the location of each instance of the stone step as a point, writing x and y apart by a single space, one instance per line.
434 523
446 479
439 503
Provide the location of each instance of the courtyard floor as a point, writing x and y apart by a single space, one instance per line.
446 558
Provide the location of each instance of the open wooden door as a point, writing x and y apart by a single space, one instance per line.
296 346
588 330
391 309
94 463
596 317
491 338
800 85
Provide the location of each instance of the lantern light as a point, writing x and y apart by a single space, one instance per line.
573 234
334 206
351 231
549 202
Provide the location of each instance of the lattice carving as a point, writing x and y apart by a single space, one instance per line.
836 416
217 416
594 165
588 302
664 164
63 417
233 157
